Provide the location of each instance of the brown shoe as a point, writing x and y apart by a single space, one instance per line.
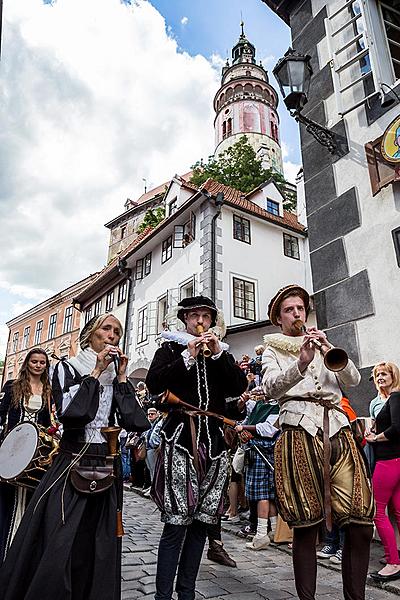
217 553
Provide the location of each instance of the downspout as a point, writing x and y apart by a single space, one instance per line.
219 200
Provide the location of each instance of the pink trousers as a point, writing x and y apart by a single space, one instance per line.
386 486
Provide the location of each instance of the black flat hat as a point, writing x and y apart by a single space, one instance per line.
281 295
196 302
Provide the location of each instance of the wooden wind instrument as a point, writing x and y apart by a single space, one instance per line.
111 434
170 398
204 348
335 359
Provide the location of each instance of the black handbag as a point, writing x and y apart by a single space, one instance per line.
88 479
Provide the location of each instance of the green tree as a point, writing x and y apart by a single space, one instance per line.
238 167
152 218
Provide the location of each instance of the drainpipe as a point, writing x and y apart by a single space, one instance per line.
219 200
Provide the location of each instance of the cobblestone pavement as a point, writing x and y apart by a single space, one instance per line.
266 574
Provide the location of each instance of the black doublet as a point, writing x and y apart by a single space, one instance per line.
220 377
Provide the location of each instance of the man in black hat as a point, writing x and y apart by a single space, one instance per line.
191 472
320 473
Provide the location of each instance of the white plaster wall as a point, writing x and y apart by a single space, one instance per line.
185 263
370 246
262 261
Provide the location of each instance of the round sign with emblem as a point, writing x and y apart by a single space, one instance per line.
390 144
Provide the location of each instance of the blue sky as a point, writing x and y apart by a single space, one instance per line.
95 97
213 27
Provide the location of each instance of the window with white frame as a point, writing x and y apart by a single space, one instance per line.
362 39
139 269
147 264
273 207
186 233
97 308
241 229
162 310
25 339
186 290
15 341
88 314
52 326
166 249
142 325
122 290
38 333
109 301
68 318
173 206
244 299
291 246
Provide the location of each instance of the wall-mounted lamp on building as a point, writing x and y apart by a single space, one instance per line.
388 98
293 73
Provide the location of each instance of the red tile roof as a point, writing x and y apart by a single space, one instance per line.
160 189
237 198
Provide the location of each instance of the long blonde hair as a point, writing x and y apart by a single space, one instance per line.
92 325
21 387
394 372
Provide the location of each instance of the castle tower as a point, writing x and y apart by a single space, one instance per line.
246 104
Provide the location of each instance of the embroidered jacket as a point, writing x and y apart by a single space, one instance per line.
282 381
206 385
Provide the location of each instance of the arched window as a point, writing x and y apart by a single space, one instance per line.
248 88
229 127
229 94
222 99
238 89
224 130
258 90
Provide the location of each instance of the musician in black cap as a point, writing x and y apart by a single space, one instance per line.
191 472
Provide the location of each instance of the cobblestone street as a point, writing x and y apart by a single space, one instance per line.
266 574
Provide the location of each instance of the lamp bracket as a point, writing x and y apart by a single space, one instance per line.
324 136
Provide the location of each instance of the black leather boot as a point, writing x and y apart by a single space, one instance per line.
217 553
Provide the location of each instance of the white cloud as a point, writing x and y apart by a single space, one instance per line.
95 96
184 21
291 170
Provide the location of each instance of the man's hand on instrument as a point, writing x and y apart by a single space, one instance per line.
307 353
320 336
194 346
212 342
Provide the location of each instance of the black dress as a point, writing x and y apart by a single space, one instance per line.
13 499
66 546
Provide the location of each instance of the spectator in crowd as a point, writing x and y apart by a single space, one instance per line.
259 476
245 363
256 363
386 477
153 441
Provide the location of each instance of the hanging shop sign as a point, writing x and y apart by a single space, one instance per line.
390 144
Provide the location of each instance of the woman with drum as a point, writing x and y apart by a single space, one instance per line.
25 399
68 543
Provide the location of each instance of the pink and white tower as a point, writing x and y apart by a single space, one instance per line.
246 104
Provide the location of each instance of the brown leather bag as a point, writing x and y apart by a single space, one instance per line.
88 479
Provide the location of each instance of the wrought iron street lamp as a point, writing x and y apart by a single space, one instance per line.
293 73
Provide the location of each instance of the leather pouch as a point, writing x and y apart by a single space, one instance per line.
88 479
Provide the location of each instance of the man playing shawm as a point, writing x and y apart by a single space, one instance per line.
192 468
319 470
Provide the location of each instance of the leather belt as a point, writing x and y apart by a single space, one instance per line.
327 451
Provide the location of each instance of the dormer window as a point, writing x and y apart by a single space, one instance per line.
272 207
173 206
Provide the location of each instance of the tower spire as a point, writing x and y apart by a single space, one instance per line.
242 35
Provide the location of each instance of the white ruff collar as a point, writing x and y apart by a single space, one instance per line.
183 337
85 362
284 342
